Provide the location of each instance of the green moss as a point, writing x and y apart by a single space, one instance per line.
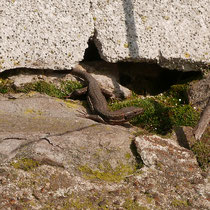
133 205
183 115
176 95
47 88
105 172
140 132
66 87
42 87
159 166
75 201
127 156
201 151
5 86
179 203
149 199
70 86
162 112
126 45
78 203
25 164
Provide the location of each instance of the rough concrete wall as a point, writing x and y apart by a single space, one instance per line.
54 34
176 34
43 34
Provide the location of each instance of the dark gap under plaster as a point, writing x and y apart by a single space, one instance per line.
151 79
142 78
91 53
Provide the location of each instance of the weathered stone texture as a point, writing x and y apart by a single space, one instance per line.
199 92
51 158
43 34
165 160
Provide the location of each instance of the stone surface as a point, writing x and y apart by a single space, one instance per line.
199 92
174 34
50 129
52 159
106 74
39 34
171 170
54 34
203 122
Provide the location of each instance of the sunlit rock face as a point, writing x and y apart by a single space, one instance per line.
54 34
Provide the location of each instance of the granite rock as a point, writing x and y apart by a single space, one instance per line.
199 92
51 158
171 170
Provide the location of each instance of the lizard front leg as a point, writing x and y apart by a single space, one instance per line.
77 93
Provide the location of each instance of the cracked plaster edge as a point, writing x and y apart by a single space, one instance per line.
178 63
169 63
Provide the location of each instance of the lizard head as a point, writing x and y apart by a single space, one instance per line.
131 112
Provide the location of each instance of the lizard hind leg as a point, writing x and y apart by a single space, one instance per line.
83 114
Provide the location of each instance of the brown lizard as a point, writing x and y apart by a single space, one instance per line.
98 103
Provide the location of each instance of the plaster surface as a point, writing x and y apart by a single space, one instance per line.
43 34
54 34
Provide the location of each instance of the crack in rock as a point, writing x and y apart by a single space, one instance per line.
71 131
49 141
12 138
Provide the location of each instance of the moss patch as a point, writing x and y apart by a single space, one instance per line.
162 112
78 203
66 87
133 205
25 164
5 86
201 151
105 172
179 203
177 94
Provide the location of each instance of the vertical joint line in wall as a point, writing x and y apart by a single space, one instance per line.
91 11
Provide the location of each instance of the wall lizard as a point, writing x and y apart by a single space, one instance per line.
98 104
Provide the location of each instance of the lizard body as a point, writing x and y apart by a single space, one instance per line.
98 103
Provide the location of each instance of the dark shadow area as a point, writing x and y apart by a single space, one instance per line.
135 153
91 53
31 71
142 78
151 79
182 138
